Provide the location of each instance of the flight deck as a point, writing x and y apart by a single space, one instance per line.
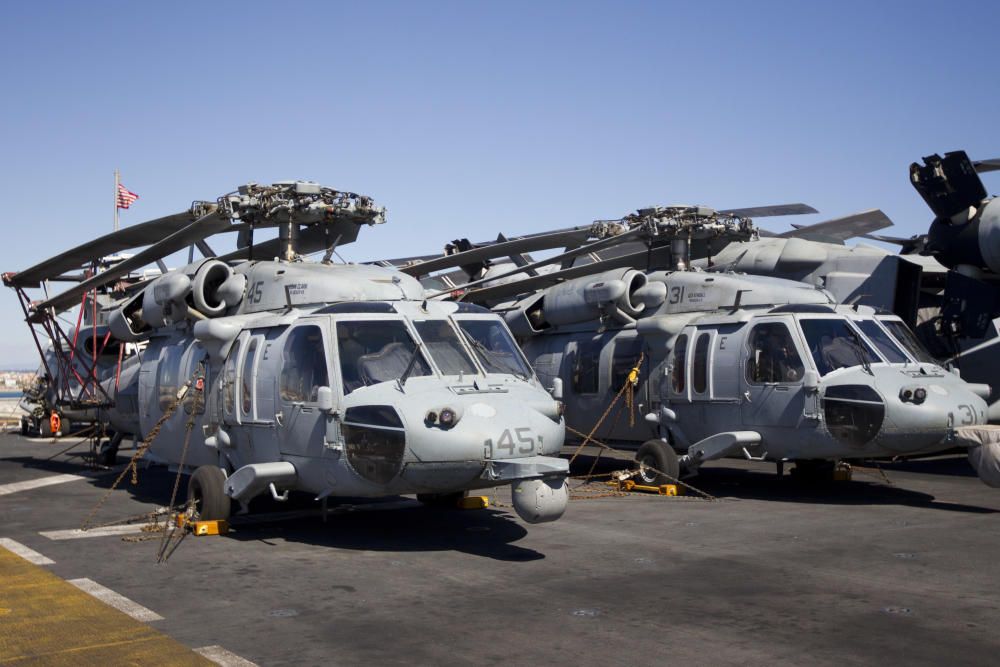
898 568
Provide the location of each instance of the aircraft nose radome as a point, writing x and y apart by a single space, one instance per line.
915 426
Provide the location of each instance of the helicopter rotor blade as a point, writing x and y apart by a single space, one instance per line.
581 250
841 229
517 246
770 211
142 234
983 166
203 227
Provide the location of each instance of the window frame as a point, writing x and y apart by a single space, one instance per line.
793 335
706 363
334 343
288 334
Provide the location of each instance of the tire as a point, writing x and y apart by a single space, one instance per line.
44 428
24 426
814 470
449 500
206 490
661 456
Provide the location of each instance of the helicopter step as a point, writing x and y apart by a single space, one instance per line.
718 446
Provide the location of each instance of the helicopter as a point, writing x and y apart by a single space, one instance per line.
273 375
722 363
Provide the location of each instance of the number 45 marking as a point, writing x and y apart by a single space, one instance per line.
506 442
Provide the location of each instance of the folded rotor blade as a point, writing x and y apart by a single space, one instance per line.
839 230
770 211
582 250
143 234
517 246
201 228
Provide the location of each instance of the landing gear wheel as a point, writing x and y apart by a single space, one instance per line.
44 428
107 455
206 491
24 426
448 500
653 456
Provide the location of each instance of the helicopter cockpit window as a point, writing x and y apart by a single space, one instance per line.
494 346
773 356
374 351
586 363
883 341
699 376
680 359
303 370
834 344
909 340
444 347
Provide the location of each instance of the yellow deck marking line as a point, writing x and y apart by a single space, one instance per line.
76 533
39 615
27 485
119 602
24 552
221 656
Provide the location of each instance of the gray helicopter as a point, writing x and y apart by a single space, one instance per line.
729 364
277 375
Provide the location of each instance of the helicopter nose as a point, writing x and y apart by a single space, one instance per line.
901 417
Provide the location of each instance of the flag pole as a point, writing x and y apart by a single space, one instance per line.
116 199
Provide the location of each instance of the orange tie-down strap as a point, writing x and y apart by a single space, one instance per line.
45 620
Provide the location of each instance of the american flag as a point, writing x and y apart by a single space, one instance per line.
125 197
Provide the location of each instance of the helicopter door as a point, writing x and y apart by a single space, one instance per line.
773 374
301 426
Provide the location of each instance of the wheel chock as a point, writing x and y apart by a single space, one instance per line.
473 503
842 473
628 485
219 527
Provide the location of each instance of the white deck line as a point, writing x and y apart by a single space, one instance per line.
14 487
119 602
24 552
221 656
76 533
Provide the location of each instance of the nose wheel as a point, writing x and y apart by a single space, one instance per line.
656 464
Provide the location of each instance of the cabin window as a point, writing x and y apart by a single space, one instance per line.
626 357
444 347
229 381
699 375
168 371
834 344
773 356
246 378
677 372
883 341
586 363
374 351
303 369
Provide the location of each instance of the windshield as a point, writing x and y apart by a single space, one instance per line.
442 344
494 347
374 351
909 340
883 341
834 344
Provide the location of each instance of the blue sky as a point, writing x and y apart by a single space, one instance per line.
468 118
